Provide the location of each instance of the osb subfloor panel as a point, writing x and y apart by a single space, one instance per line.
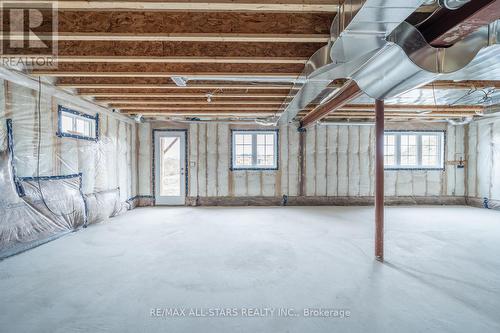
442 272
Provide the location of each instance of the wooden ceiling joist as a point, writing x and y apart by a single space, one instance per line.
184 37
254 113
122 54
321 6
235 108
282 76
218 70
113 97
421 109
466 84
285 87
185 59
124 103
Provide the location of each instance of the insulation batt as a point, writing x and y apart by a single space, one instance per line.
53 185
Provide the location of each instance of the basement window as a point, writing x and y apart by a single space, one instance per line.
417 150
254 150
77 125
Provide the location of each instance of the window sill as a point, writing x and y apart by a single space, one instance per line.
76 136
414 169
254 169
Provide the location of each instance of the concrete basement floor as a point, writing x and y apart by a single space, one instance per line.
442 272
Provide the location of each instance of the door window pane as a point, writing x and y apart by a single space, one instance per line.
170 166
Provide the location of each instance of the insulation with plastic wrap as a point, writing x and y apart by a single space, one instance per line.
484 163
52 185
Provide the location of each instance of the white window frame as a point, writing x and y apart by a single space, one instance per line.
91 121
440 150
254 165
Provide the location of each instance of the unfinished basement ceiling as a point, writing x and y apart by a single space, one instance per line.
238 59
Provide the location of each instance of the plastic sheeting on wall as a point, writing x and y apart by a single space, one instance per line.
53 185
484 162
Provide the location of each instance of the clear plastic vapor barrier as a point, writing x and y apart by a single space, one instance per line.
62 168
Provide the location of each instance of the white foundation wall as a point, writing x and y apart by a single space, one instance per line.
106 164
483 159
339 162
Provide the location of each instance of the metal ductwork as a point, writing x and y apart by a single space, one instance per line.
358 32
408 61
452 4
386 56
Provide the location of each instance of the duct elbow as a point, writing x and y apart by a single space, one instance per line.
452 4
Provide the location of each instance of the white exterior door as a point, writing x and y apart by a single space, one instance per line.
170 167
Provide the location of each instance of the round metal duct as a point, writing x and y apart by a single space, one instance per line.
452 4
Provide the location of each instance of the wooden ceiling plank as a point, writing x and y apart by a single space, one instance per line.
157 49
174 24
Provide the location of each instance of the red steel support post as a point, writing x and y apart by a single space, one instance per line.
379 180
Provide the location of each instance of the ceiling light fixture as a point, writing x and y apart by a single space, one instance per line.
209 97
179 81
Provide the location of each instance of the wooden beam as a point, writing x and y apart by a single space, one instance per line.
393 116
364 110
286 6
261 105
286 87
322 6
198 108
110 97
367 109
168 81
126 103
438 85
448 27
251 113
466 84
229 75
415 107
186 37
347 93
185 59
159 70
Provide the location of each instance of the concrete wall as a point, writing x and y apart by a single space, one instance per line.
107 164
483 156
338 163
